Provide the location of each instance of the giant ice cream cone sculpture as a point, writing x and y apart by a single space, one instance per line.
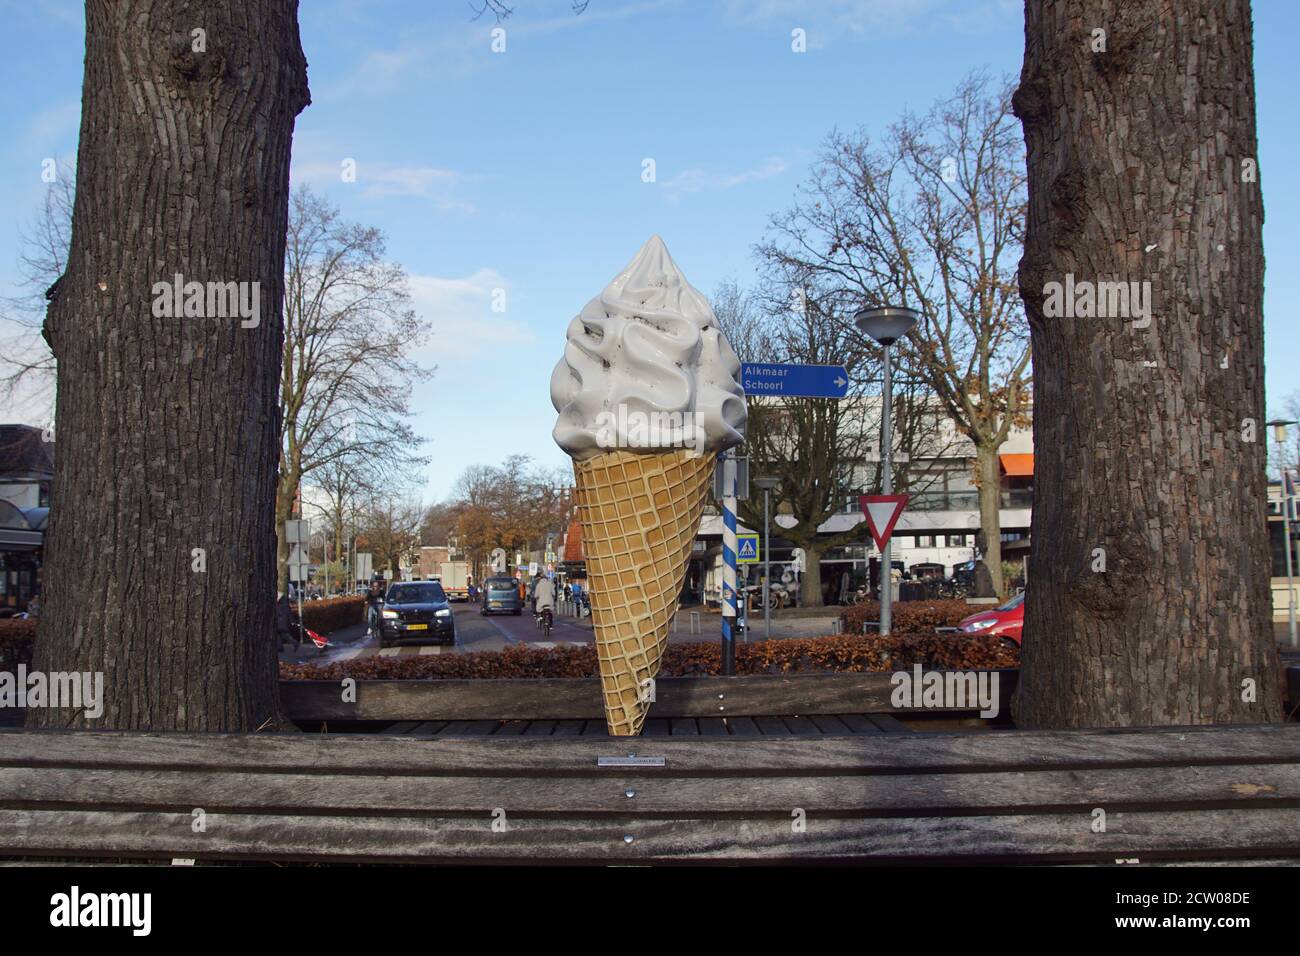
648 395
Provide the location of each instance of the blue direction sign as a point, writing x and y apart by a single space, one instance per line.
747 549
803 381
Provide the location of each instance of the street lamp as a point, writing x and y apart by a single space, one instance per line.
887 325
768 485
1279 436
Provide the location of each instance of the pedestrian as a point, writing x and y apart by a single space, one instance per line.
283 620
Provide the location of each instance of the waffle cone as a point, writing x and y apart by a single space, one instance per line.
639 515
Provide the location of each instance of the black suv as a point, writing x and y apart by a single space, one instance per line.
416 611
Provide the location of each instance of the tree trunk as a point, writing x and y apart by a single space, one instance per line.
1148 598
990 488
810 588
168 429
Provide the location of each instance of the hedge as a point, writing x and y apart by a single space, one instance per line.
16 638
908 617
788 656
330 614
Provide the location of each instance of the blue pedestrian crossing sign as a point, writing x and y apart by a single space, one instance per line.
747 549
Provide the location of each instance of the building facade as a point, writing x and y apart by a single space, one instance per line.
26 476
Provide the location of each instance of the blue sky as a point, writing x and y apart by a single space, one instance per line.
522 170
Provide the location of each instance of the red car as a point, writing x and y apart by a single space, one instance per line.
1005 621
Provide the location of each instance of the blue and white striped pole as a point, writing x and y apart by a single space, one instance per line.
729 563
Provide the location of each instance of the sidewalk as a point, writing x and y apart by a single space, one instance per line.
806 622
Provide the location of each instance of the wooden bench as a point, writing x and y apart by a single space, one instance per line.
812 704
1198 794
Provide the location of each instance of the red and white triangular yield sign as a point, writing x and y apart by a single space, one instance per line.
883 512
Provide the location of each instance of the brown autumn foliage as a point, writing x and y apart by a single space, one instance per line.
840 653
331 614
909 617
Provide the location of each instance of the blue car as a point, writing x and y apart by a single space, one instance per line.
416 611
501 596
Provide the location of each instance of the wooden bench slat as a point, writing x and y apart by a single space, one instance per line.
377 753
684 727
569 698
569 728
1040 838
601 791
656 727
540 728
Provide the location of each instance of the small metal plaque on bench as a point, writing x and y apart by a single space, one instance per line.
631 760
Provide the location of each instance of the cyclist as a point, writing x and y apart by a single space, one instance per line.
544 595
374 598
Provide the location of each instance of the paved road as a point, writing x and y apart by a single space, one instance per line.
477 633
473 633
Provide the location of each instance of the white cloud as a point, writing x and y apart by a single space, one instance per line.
830 19
698 180
381 181
460 311
460 48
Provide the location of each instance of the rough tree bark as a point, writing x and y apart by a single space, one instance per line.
168 431
1149 447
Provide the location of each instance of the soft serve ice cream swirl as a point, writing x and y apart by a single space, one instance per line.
646 368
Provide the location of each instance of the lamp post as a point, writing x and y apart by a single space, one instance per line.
1279 436
768 485
886 325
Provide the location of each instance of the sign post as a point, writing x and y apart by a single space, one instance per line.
729 562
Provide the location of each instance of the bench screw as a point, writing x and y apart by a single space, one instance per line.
629 794
628 838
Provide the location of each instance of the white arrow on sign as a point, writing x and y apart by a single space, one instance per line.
841 382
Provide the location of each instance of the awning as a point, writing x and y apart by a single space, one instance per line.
1018 466
12 539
